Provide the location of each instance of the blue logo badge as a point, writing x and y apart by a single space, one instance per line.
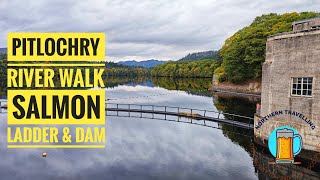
284 144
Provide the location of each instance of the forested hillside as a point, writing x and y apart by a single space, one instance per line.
200 56
244 52
114 69
146 63
202 68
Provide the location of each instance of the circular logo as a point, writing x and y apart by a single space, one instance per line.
284 143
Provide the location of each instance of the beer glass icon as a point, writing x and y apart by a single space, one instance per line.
285 143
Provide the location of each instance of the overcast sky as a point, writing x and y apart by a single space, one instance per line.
144 29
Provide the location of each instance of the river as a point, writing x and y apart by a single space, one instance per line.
143 149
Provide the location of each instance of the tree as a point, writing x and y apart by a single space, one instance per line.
243 53
201 68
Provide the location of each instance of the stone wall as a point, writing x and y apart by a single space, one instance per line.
250 87
288 56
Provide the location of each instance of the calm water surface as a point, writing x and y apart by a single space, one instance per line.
139 148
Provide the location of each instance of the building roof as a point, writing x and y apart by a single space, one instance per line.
306 20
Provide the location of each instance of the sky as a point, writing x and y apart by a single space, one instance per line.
144 29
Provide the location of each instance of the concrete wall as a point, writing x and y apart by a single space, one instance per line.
305 25
287 56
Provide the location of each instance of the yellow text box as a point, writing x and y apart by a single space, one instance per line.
56 107
56 46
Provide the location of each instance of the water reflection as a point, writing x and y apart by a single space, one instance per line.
141 149
244 106
192 85
111 82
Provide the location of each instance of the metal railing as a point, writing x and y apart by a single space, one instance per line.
207 118
190 113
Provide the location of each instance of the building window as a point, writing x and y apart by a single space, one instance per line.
302 86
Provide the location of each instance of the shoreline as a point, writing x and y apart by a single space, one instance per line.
249 88
216 91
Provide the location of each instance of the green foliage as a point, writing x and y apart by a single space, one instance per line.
220 73
202 68
244 52
115 69
114 81
200 56
189 85
127 71
112 65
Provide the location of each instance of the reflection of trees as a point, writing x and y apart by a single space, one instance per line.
240 136
240 106
192 85
116 81
235 105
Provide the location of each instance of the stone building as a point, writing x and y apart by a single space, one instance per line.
291 81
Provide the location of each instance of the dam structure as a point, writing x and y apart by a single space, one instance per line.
291 82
